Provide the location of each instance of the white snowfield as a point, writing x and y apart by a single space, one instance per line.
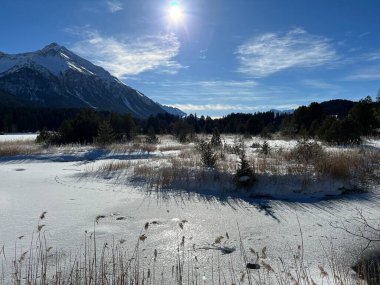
58 185
18 137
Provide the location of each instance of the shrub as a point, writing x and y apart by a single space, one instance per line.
307 152
265 148
255 145
209 158
244 176
215 140
48 137
152 138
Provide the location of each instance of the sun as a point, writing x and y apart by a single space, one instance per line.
175 13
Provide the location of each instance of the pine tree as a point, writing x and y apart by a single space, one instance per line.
265 148
208 156
215 140
105 134
152 138
244 176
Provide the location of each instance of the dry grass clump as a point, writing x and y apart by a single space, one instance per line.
339 165
115 165
351 165
134 147
358 165
173 147
19 147
184 173
305 152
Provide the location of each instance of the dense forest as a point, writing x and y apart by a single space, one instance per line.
335 121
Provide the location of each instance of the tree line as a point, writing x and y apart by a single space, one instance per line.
335 121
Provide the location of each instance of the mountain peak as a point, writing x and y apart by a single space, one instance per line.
52 46
56 77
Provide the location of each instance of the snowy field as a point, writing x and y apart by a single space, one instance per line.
15 137
59 184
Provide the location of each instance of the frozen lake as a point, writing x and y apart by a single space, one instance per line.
32 185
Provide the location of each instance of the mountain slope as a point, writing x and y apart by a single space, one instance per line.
56 77
173 111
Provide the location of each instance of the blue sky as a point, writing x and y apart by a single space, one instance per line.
213 57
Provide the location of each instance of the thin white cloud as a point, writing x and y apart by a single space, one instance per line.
234 108
219 83
364 34
373 56
213 107
271 52
319 84
371 73
203 54
132 56
114 6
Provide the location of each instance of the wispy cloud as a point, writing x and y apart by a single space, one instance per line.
203 54
129 56
234 108
208 89
364 34
114 6
218 97
370 73
220 83
273 52
208 107
374 55
319 84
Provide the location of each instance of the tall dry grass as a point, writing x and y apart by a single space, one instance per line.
19 147
122 262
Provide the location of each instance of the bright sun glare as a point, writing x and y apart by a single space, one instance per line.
175 13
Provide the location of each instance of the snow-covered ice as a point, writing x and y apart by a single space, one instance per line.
57 184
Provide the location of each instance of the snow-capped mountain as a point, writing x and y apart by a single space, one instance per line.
174 111
56 77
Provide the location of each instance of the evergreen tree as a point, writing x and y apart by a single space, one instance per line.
215 140
209 158
152 138
105 134
244 176
265 148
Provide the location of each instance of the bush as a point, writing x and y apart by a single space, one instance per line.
152 138
215 140
244 176
209 158
48 137
265 148
307 152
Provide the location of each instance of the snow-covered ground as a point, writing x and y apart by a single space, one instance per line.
17 137
56 183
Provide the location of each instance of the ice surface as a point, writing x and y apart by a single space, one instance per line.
57 184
